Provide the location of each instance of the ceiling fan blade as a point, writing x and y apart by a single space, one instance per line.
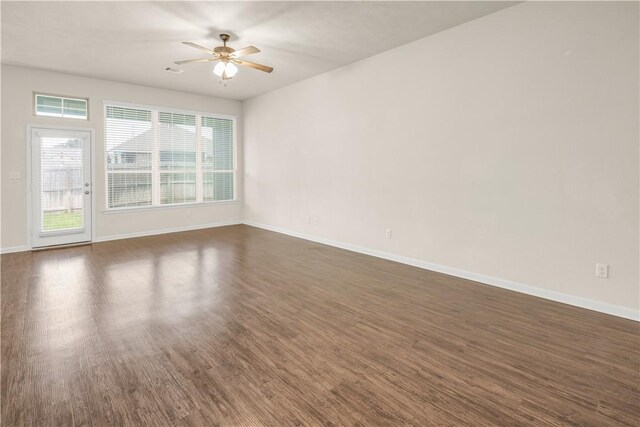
187 61
244 51
197 46
253 65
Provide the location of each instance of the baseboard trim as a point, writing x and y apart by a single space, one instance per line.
12 249
166 231
601 307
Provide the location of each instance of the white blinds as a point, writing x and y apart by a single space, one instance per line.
217 158
177 150
156 157
129 150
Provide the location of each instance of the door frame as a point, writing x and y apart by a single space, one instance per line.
92 154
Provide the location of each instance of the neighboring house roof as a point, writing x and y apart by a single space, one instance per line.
61 156
142 142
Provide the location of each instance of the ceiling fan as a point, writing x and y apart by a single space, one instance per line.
227 57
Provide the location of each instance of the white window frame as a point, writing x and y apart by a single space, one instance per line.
155 200
62 97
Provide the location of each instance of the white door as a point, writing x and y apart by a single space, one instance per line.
60 186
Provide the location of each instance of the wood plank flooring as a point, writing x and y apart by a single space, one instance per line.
238 326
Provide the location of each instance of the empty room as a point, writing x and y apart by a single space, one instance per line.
352 213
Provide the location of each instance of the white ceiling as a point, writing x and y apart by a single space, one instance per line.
134 42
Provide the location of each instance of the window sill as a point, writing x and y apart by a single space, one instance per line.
164 207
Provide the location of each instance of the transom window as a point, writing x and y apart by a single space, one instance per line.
61 106
156 157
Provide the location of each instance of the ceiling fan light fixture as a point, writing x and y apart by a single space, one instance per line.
219 69
227 57
225 70
231 70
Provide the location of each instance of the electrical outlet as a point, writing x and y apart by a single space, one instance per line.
388 233
602 271
315 220
14 174
308 220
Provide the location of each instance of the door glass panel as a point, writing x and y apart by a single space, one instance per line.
62 184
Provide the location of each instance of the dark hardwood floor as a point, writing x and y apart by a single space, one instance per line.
243 327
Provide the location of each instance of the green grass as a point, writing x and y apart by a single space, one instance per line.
61 220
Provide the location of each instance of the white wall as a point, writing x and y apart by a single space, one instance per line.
18 85
507 147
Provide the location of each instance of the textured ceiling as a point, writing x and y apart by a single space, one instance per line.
134 42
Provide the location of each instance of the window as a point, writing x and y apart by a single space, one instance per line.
60 106
156 157
177 140
217 158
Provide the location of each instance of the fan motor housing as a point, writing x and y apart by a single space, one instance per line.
224 50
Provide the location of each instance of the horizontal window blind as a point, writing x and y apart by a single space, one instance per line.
177 146
156 157
129 146
217 158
